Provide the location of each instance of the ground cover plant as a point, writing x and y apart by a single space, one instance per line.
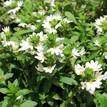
53 53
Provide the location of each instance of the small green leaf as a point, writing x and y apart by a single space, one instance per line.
21 32
70 16
67 80
28 6
101 100
23 92
4 90
56 97
67 51
8 75
28 103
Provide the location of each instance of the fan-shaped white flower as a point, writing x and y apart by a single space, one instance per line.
32 27
52 2
25 45
98 24
40 56
22 25
77 53
94 65
49 69
16 9
8 3
47 23
82 51
8 43
13 11
79 70
42 36
91 86
57 50
40 53
6 29
19 3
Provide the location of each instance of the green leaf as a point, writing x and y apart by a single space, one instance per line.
70 16
74 39
28 6
4 90
5 102
56 97
67 51
21 32
67 80
8 75
28 103
47 85
23 92
101 100
64 104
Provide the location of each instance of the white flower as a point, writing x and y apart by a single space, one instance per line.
16 9
94 65
13 11
19 3
6 29
48 25
32 27
98 24
22 25
8 43
57 50
82 51
91 86
40 56
42 36
75 52
25 45
8 3
40 47
48 28
52 3
49 69
41 12
79 70
11 44
40 53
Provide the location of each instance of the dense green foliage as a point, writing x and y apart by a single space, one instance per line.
53 53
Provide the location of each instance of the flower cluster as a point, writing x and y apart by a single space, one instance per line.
49 49
92 69
99 23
